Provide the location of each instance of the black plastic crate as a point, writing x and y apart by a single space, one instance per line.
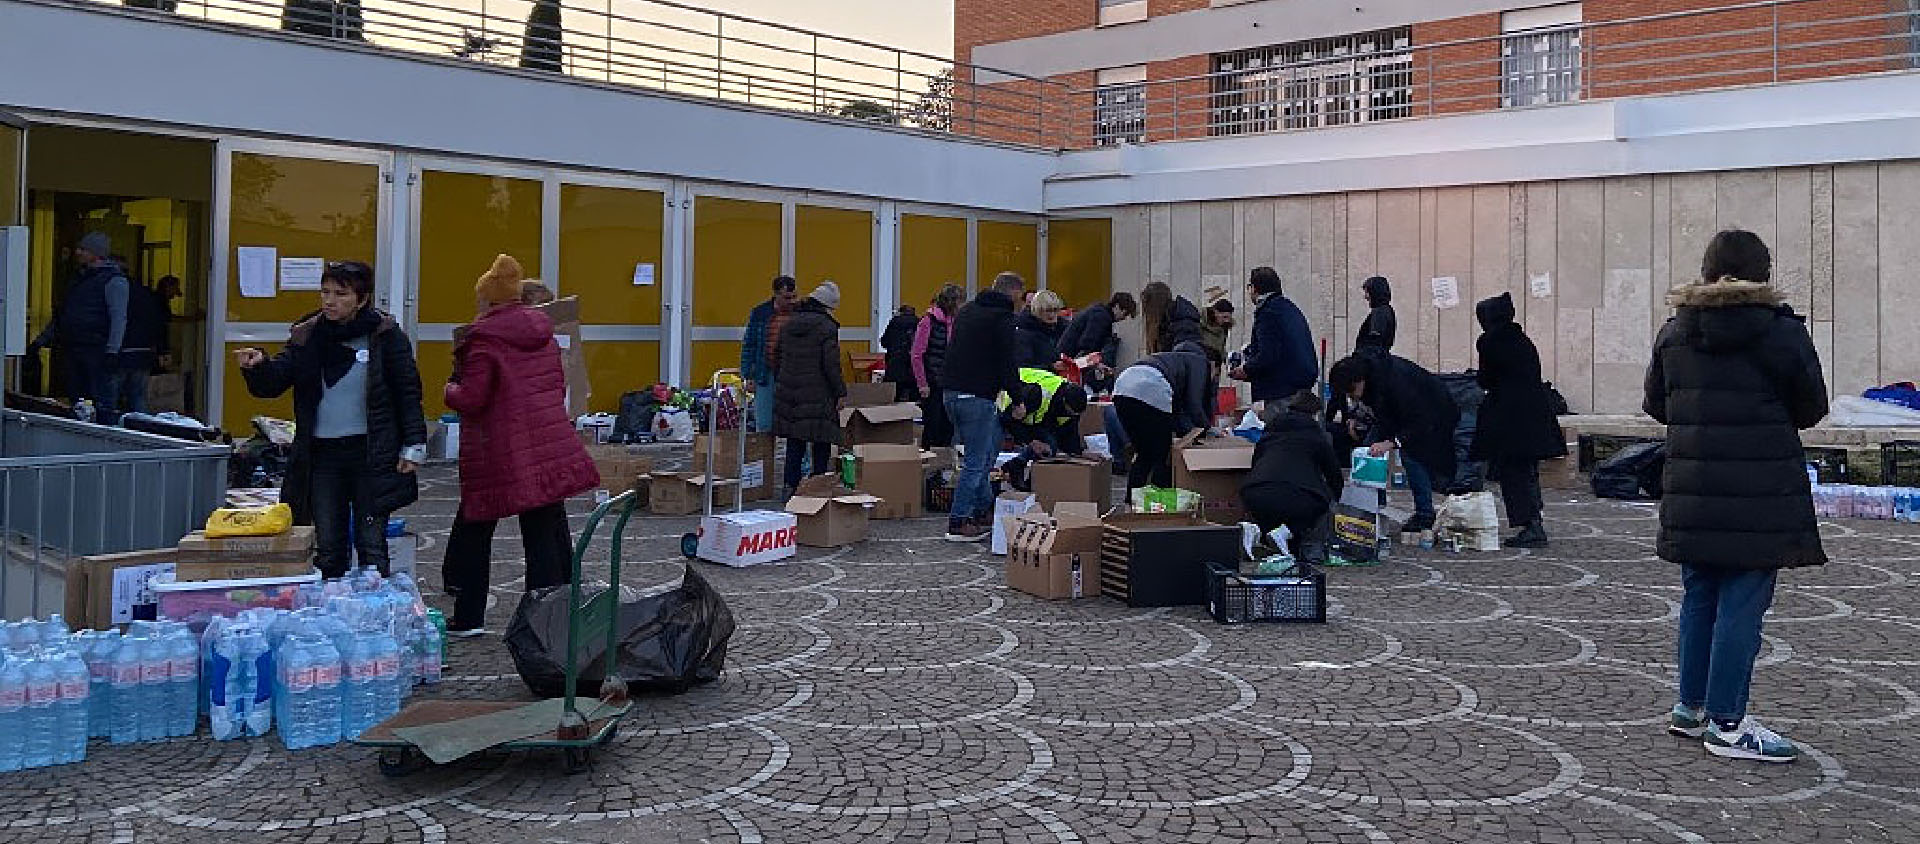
1900 463
1831 463
1235 598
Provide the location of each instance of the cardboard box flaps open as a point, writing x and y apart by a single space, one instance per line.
870 394
887 423
1056 556
1061 479
894 474
680 493
829 515
1215 469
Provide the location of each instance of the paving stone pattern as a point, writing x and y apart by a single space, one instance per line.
898 691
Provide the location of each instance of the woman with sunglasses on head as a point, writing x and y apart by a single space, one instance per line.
359 431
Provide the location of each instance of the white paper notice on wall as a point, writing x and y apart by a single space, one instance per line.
1446 293
301 273
1540 286
257 270
643 275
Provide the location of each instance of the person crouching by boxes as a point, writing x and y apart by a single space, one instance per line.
1051 426
1296 475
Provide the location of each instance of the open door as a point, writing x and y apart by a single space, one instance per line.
13 235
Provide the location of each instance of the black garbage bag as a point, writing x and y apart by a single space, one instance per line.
1632 473
636 415
667 642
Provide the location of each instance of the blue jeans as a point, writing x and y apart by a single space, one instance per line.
1420 483
1720 637
763 407
976 428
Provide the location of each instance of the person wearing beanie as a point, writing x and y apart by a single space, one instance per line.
359 431
518 453
756 349
90 324
808 385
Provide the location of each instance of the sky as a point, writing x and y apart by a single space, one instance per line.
922 25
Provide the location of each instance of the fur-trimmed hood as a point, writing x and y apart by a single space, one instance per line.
1726 315
1725 293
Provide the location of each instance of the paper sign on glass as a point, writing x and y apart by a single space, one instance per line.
1446 293
643 275
1540 286
257 270
301 273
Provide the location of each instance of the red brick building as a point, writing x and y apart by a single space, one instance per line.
1077 73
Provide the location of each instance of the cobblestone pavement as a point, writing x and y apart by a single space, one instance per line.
898 691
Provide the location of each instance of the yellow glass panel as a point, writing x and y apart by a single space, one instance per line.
239 407
435 360
306 209
1007 246
933 253
465 220
618 367
12 149
836 244
1080 261
736 254
605 234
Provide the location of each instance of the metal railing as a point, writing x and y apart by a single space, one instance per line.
666 46
69 489
1722 47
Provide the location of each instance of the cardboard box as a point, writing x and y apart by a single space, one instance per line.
1094 419
1215 469
869 394
1160 559
109 589
298 538
565 314
167 393
1056 556
1008 507
240 557
892 473
829 515
1088 479
748 538
884 424
757 474
681 493
621 467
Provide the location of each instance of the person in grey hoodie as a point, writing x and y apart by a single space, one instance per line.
1162 398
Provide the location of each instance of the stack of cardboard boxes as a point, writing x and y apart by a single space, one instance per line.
119 588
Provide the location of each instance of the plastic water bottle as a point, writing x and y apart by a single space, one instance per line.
156 682
42 721
13 707
362 673
75 685
183 669
226 705
390 687
431 650
323 717
294 694
98 653
125 703
54 630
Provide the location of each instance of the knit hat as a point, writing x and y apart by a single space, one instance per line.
827 294
97 244
501 284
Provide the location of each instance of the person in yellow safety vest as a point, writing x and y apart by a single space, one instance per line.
1051 426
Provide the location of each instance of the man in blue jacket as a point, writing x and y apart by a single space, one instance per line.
1280 360
90 324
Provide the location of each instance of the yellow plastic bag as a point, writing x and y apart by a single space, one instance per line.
250 521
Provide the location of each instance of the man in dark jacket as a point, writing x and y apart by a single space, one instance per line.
1412 411
140 350
1376 331
1515 428
1735 378
1091 332
897 340
806 367
981 354
90 324
756 349
1280 360
1295 474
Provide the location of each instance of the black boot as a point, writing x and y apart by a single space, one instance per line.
1417 523
1531 536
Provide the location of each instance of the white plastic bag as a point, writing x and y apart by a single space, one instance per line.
1473 511
1097 445
673 425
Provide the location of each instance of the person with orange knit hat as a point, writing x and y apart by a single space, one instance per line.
518 453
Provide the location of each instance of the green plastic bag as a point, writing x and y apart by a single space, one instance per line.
1156 499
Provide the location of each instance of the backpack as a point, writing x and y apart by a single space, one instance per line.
1632 473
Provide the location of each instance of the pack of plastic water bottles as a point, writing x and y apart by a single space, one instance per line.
345 660
1883 503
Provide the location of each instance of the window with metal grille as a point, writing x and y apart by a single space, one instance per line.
1120 112
1540 67
1308 84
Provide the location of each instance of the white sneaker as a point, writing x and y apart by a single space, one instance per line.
1750 741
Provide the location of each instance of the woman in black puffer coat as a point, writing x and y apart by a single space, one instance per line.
1735 377
806 400
1516 428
